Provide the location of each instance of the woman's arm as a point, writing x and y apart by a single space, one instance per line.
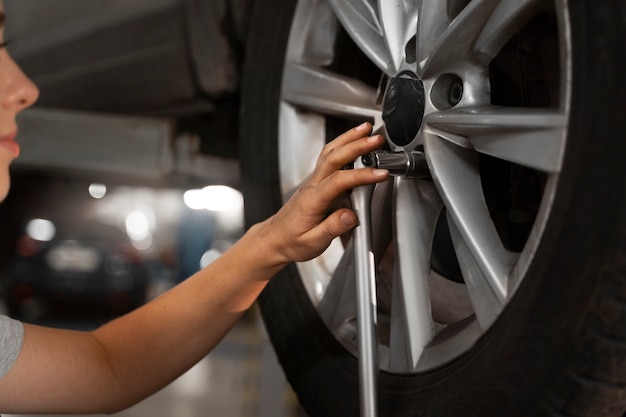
119 364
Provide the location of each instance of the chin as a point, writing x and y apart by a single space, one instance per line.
4 190
4 183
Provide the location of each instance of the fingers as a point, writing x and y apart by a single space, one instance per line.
337 224
344 150
340 181
351 135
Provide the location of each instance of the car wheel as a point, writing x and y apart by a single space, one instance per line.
501 275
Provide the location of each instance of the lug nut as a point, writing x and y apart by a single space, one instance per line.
455 93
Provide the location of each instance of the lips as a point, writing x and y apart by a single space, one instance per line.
9 144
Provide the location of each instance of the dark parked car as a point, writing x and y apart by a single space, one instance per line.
92 266
501 275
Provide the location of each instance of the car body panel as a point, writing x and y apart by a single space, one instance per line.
167 57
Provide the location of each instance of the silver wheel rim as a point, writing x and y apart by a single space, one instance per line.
430 319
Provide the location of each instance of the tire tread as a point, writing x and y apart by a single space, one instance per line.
595 385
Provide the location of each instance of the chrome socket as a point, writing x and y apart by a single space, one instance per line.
399 163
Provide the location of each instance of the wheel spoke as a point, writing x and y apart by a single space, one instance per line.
417 208
399 23
432 22
382 204
295 161
456 174
534 138
338 305
454 48
360 19
308 44
486 302
328 93
508 17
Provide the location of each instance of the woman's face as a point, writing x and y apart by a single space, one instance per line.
17 92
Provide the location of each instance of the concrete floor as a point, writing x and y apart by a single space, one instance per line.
241 377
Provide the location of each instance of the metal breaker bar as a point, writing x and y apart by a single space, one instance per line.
361 198
405 164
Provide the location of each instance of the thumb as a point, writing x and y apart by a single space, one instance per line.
319 238
338 223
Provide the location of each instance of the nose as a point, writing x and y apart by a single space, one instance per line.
20 91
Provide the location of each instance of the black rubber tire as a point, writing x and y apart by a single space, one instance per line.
559 349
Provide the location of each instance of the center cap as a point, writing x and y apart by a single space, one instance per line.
403 109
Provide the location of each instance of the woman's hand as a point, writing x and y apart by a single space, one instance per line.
301 229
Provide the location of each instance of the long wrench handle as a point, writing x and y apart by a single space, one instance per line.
361 198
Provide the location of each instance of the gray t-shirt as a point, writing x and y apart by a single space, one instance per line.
11 338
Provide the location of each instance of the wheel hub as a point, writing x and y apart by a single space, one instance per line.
403 108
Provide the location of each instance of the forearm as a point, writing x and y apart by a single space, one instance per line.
183 325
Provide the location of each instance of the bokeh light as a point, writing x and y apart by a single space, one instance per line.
41 229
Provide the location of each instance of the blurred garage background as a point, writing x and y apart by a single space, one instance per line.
128 179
